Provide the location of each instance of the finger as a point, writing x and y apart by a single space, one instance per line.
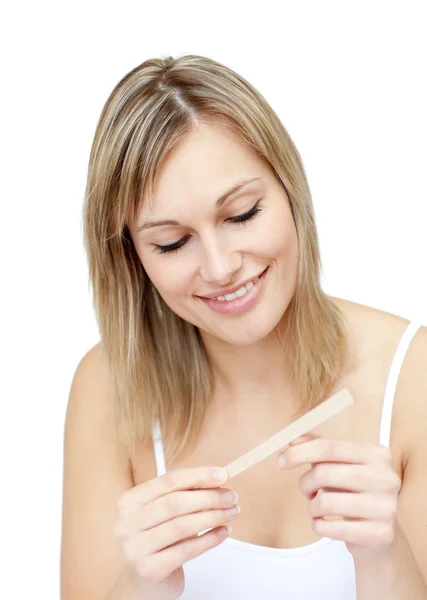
177 479
361 506
367 533
311 495
168 560
354 478
333 450
177 504
176 530
303 438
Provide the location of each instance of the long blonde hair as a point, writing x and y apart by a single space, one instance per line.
157 362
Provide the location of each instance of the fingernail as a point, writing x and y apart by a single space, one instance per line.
225 531
282 460
230 497
220 474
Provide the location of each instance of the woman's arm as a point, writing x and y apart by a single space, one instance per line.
126 587
96 472
396 576
402 575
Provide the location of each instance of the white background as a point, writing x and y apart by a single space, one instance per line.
348 80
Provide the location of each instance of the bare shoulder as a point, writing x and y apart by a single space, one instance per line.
375 326
90 394
93 367
411 396
376 334
92 372
96 472
378 330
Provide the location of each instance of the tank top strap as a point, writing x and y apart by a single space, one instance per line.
393 376
159 452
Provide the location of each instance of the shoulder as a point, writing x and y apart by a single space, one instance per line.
90 406
91 395
376 335
96 471
93 365
411 396
381 324
91 380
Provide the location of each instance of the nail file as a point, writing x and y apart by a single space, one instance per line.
324 411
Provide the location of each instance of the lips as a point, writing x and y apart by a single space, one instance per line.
240 288
239 303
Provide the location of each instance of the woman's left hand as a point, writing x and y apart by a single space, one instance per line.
359 485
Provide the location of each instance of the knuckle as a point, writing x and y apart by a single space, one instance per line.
166 506
320 475
155 575
331 448
122 502
387 533
391 508
131 496
216 517
214 499
175 505
397 483
206 474
324 502
144 521
170 480
187 552
179 529
131 552
385 454
392 481
143 569
303 485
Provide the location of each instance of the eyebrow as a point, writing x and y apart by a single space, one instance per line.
220 201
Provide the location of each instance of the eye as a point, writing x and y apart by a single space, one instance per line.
247 215
237 219
171 247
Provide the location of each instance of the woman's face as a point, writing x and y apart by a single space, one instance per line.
199 247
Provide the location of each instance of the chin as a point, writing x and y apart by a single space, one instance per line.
245 340
245 336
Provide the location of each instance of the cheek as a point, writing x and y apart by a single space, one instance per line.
170 275
279 235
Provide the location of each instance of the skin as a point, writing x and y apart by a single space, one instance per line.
220 253
359 481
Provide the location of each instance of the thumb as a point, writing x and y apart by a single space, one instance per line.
303 438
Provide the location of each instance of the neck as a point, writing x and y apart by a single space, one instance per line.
249 374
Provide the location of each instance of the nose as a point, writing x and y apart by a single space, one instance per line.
219 262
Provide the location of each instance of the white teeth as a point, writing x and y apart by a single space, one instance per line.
241 291
230 296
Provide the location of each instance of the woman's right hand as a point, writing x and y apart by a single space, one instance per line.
158 522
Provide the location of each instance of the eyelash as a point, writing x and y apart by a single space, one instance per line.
238 220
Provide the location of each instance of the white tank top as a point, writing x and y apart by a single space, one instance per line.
324 570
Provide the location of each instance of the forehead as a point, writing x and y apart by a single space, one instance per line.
208 161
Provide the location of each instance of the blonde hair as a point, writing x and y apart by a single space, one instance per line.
157 362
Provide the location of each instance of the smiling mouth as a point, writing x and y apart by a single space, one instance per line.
239 293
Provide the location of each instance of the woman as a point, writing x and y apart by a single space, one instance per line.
215 334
